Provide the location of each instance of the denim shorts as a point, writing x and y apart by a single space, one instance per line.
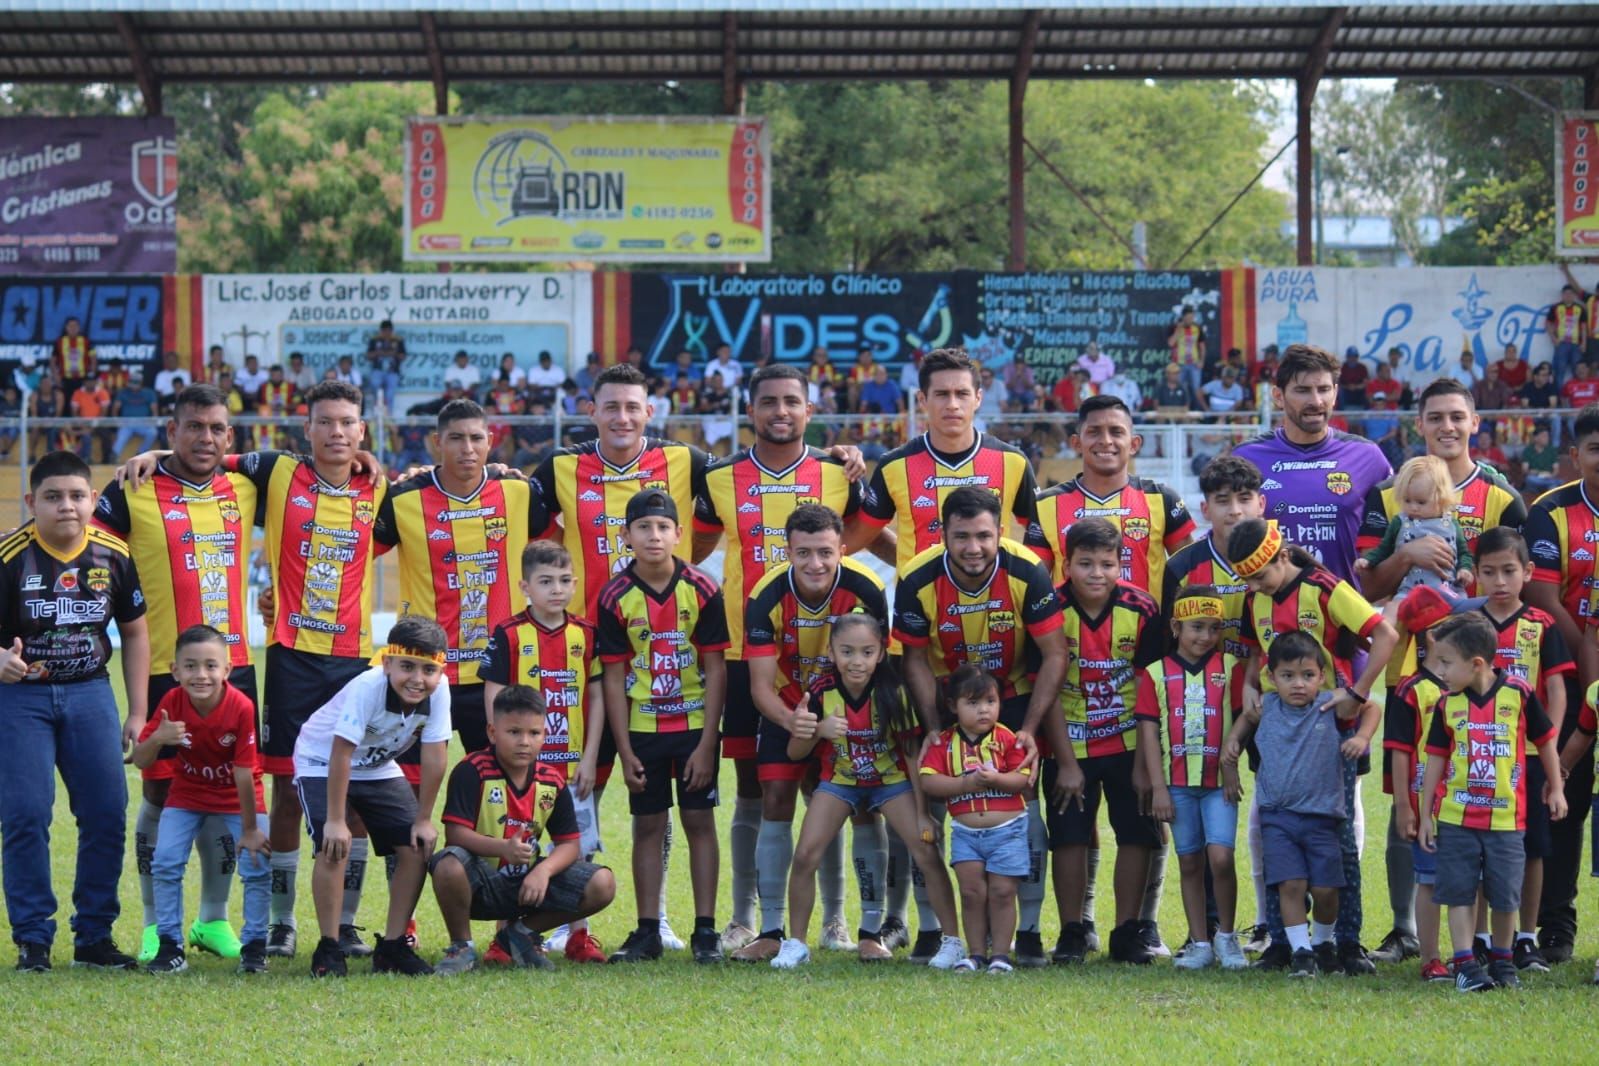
1203 819
1425 863
1469 858
863 797
1002 849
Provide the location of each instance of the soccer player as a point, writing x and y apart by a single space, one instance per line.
749 497
1314 476
662 630
788 623
189 528
1231 489
982 598
1153 520
62 584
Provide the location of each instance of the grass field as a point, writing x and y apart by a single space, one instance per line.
835 1007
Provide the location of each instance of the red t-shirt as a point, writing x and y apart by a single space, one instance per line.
1379 390
1514 376
1580 392
218 742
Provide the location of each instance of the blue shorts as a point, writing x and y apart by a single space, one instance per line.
1203 819
1002 849
1301 847
863 797
1425 863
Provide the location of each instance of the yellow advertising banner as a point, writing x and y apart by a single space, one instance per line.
595 188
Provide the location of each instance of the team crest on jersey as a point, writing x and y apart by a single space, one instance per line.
656 483
801 501
1339 483
547 801
67 580
684 616
364 512
226 740
98 579
1309 620
1126 645
1136 528
495 529
1001 621
1218 679
229 510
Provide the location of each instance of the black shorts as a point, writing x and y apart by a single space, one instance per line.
165 767
741 720
1013 711
1112 777
665 755
387 809
298 683
1538 841
466 718
772 761
494 896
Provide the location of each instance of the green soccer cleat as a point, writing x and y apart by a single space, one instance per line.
217 937
149 945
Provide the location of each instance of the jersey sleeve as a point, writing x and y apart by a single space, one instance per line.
875 602
463 794
877 506
544 483
385 528
1179 523
852 499
1024 507
1384 546
936 761
562 825
760 631
1151 642
257 466
1041 611
1399 721
112 511
495 664
1147 705
1351 610
1014 758
1514 516
1440 738
1539 727
610 637
127 604
1543 543
1587 716
706 520
911 625
1553 656
710 629
698 463
1373 521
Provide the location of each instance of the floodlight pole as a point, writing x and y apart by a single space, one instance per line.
1026 45
1309 78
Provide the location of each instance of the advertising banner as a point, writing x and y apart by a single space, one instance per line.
122 317
1576 191
593 189
326 316
88 195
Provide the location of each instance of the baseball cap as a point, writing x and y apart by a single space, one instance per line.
1426 606
651 503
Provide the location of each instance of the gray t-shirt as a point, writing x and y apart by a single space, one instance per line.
1301 769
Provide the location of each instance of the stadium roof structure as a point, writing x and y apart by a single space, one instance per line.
736 42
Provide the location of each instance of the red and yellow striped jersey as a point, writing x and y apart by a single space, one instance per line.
1570 322
560 662
1104 656
988 625
319 545
1152 518
779 622
910 483
277 397
1562 534
591 497
1316 602
1531 648
1405 725
752 504
192 544
460 557
1193 706
1201 564
1188 340
863 755
953 755
1487 501
662 635
1485 737
74 357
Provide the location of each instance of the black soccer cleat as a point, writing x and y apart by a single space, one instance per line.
706 945
396 956
169 958
103 955
281 941
1030 950
253 956
351 944
328 960
1072 946
638 947
33 958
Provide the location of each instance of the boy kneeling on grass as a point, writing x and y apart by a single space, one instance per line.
498 803
344 761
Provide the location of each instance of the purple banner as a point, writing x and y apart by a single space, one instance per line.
88 196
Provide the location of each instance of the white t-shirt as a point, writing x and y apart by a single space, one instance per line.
172 382
250 381
549 377
360 714
465 376
730 372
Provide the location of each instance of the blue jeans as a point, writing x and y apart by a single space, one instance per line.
1567 355
173 844
145 435
1191 375
74 728
384 383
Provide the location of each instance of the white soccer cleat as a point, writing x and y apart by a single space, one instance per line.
1228 952
950 952
835 936
555 939
791 954
1197 955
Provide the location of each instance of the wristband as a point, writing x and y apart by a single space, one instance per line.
1358 697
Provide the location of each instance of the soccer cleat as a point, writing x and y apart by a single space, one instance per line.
1528 957
460 957
327 960
707 945
1503 973
1352 957
1197 955
216 938
638 947
1000 964
281 941
763 948
670 941
523 947
1482 951
1327 960
1397 946
1072 945
1259 939
396 956
1435 971
870 949
581 946
103 955
1472 978
33 958
790 953
253 957
1029 950
1090 936
737 935
950 951
893 934
1228 952
970 964
1302 963
149 944
928 943
1149 936
555 939
1127 945
351 944
835 936
1556 946
168 958
496 956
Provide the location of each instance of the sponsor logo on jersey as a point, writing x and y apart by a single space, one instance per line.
949 627
924 501
1309 620
590 496
1271 484
749 508
67 580
300 500
175 515
1582 555
34 583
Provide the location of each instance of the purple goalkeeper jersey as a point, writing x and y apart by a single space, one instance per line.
1317 492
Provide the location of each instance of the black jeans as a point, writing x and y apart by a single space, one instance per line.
1557 908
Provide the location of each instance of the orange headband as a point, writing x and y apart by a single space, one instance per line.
1256 561
397 650
1198 607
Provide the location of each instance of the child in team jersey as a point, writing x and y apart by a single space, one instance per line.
1185 710
1427 501
210 725
858 722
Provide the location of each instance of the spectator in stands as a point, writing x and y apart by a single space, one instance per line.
1224 395
1352 378
683 370
1582 389
1491 393
1383 428
685 395
909 379
716 398
662 408
1487 450
1020 385
1100 366
385 353
1540 393
821 368
46 400
300 376
1186 343
880 395
348 373
170 380
545 380
991 405
1541 461
251 377
234 398
1466 371
1266 366
215 364
463 373
725 368
858 376
10 408
134 400
90 401
1513 369
1121 385
1384 389
1173 392
505 398
73 358
1567 325
510 373
584 378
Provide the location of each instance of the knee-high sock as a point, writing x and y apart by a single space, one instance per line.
746 831
897 878
666 861
774 853
285 868
926 918
145 829
354 879
1257 867
1401 881
830 880
1088 885
869 849
1030 892
1150 911
219 862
